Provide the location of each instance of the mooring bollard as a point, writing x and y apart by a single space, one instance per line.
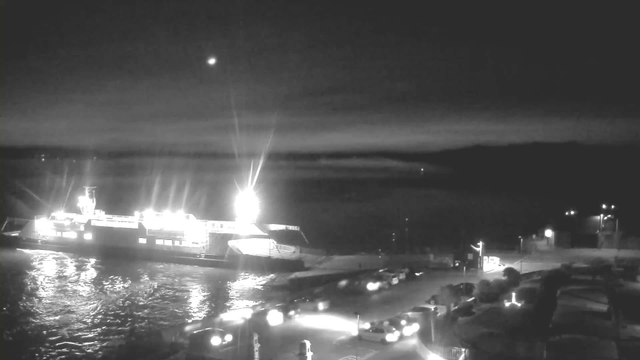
304 352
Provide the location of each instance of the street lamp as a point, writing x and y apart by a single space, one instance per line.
521 240
550 235
406 236
479 249
211 60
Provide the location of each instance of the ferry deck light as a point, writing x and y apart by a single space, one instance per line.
247 206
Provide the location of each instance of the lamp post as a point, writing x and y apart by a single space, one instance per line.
480 251
550 235
611 208
406 235
521 240
358 330
393 243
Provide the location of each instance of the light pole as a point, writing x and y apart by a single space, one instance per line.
406 235
550 235
358 330
521 240
393 243
479 249
602 217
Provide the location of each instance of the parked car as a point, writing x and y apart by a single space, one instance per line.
405 325
452 294
312 303
289 311
379 333
400 274
206 343
416 312
389 279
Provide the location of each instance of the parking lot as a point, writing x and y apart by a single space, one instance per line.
331 331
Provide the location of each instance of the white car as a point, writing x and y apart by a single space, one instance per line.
400 274
377 333
417 311
389 278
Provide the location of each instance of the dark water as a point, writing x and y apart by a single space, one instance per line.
58 306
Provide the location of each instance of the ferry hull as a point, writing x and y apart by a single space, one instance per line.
124 244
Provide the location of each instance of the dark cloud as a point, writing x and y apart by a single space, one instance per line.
325 77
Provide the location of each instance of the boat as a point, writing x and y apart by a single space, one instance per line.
175 237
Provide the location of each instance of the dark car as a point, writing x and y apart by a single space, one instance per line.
406 325
289 311
207 343
312 303
452 294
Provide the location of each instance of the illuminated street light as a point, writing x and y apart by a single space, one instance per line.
247 206
513 301
548 233
211 61
479 249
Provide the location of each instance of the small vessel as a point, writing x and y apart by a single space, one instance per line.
168 236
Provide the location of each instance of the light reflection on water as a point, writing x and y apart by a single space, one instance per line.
65 305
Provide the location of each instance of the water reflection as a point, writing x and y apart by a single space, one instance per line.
73 306
240 290
198 308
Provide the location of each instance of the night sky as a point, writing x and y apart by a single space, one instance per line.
323 76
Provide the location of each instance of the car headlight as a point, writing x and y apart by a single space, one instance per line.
228 338
407 331
88 236
415 327
367 326
373 286
216 340
354 332
391 337
275 318
403 322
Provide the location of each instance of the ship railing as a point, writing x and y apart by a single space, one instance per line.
122 218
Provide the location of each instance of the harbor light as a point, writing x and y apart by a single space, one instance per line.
247 206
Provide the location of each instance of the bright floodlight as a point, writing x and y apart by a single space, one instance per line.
604 206
247 206
548 233
212 60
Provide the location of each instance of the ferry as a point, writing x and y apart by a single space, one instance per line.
167 236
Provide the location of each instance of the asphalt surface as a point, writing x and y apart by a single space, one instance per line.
330 331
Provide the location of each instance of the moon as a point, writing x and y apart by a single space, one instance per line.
212 60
